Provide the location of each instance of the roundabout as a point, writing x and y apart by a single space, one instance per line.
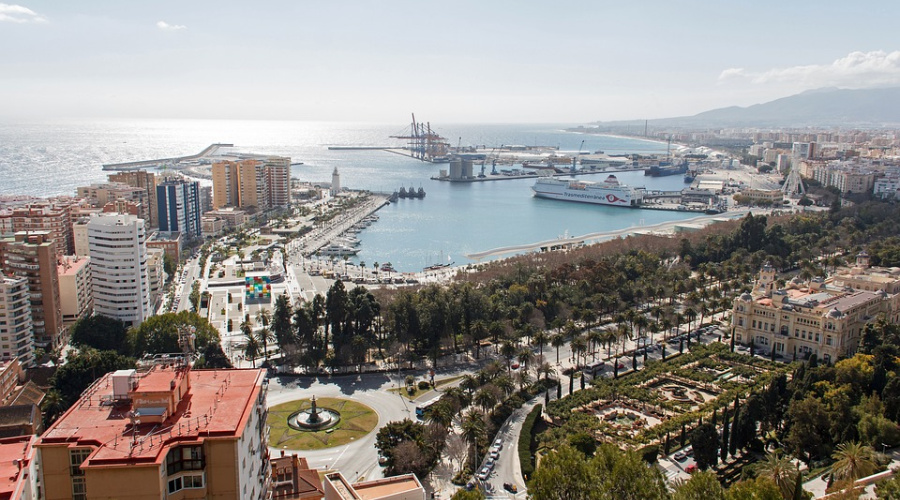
318 423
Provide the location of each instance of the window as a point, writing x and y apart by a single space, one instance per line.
79 488
185 458
77 457
187 481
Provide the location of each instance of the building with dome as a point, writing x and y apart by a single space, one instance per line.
821 317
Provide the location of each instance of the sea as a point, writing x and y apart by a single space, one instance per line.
451 222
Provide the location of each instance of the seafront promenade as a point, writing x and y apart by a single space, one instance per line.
602 236
325 233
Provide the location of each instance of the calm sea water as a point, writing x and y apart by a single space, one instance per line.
453 220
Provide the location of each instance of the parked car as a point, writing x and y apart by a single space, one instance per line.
495 454
510 487
483 474
498 443
490 462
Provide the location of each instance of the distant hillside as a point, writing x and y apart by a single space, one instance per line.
822 107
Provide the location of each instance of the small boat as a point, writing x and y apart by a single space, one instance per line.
387 267
337 249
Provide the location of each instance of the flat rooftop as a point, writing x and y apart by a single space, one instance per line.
217 405
381 488
11 475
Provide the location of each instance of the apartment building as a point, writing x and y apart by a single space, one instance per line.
118 251
33 255
178 202
100 195
19 469
278 178
252 183
51 216
16 331
170 432
143 180
76 290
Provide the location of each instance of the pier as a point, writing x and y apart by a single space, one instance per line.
210 150
324 234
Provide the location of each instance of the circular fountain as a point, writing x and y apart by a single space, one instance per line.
314 419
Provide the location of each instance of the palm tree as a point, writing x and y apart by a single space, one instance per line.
486 398
251 348
508 351
853 460
781 471
473 431
469 383
540 338
557 340
441 413
264 317
524 356
505 384
546 370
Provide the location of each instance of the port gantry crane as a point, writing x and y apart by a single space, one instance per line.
423 143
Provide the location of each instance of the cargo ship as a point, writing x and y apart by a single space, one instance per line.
608 192
666 169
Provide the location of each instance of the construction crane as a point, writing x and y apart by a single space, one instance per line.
575 158
423 143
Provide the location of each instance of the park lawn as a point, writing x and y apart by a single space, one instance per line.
357 420
418 392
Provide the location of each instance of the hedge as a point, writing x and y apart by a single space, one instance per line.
525 442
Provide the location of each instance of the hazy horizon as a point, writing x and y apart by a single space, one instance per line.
451 63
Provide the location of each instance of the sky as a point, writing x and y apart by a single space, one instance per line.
461 61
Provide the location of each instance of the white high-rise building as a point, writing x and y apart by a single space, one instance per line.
16 331
118 251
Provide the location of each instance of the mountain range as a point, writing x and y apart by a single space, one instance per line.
826 107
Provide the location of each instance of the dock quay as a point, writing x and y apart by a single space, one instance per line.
319 237
358 148
210 150
519 173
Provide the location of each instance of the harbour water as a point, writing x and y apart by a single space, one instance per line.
453 220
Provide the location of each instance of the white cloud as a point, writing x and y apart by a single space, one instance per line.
18 14
170 27
857 69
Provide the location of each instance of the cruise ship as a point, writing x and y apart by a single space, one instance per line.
608 192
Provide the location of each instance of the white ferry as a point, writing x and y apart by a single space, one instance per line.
608 192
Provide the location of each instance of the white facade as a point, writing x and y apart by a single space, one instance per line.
251 448
887 187
118 251
335 182
16 331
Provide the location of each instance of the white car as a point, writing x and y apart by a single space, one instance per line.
495 454
498 443
483 474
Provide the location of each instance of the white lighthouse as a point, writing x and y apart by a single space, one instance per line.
335 182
